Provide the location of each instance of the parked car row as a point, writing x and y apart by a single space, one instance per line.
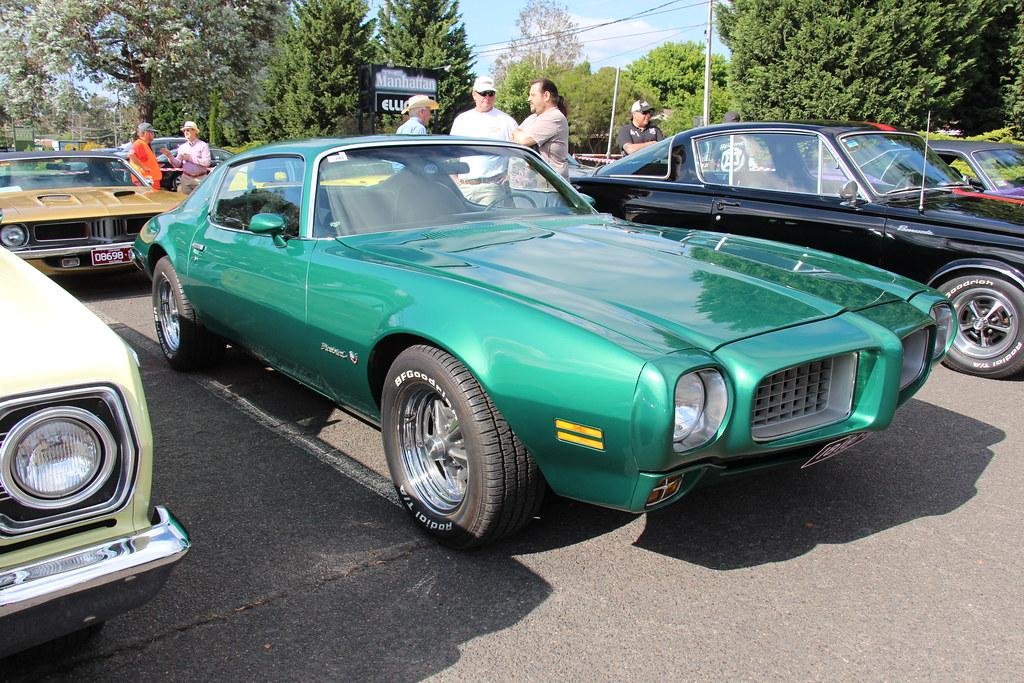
506 341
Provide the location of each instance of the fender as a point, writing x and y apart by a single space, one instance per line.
1016 275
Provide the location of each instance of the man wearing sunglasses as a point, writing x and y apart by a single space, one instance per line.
639 132
485 181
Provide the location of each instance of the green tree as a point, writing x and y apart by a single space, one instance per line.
1014 88
885 60
312 87
514 87
429 34
671 76
189 47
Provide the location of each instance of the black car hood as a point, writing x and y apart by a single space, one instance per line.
962 208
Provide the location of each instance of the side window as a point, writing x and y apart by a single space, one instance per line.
267 185
782 162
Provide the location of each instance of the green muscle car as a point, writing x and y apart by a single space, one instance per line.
507 338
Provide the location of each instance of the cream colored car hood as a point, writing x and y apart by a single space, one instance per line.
49 339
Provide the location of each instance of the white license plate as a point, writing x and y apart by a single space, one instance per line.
111 256
835 448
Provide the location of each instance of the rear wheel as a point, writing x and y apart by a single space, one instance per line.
990 338
186 344
459 470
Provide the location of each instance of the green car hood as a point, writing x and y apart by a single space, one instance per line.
666 288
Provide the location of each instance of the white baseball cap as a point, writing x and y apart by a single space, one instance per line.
641 105
483 84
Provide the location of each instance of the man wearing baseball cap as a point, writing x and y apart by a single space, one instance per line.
639 132
483 183
142 157
191 156
418 107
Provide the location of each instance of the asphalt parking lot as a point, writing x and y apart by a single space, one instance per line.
898 560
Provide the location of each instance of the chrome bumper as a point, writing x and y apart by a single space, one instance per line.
50 598
30 253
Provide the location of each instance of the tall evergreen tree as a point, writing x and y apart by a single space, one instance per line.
429 34
886 60
1014 88
312 86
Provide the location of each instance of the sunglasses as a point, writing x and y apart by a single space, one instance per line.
486 93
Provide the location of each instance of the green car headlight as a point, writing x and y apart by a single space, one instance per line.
56 457
701 401
945 324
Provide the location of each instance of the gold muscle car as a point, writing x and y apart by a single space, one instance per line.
74 211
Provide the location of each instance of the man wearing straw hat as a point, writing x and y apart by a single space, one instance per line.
192 157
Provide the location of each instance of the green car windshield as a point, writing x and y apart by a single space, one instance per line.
52 172
395 187
893 162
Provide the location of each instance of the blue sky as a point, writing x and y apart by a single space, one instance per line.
490 23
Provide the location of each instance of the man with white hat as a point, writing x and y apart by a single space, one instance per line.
192 157
639 132
418 107
482 184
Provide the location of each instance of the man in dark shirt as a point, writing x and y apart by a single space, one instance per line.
639 132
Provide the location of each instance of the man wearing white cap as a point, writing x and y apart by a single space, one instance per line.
639 132
192 157
418 107
482 184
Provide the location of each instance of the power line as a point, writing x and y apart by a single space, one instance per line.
543 37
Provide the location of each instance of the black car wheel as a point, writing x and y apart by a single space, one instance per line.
186 344
458 468
990 338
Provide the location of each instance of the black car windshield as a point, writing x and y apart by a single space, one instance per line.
56 172
652 161
893 162
1005 167
395 187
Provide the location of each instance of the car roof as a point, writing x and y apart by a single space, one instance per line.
968 146
315 146
46 154
824 126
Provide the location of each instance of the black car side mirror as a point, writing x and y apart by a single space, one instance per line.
849 192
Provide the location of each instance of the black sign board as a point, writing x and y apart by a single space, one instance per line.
384 89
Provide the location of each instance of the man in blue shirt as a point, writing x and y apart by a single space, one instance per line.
418 107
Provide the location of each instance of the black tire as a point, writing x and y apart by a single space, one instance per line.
468 485
990 338
186 344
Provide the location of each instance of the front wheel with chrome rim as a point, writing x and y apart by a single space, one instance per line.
458 468
990 336
186 344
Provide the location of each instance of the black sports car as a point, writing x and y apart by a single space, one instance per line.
866 191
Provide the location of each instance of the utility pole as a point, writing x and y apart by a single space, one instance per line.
707 66
611 124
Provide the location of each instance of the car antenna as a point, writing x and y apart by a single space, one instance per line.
924 163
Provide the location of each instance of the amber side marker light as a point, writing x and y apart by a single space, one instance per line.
666 488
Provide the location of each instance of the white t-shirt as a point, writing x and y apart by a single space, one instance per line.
494 125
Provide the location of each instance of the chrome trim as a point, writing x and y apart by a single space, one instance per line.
74 250
127 440
17 489
48 598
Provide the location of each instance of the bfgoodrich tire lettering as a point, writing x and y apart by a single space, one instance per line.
460 472
990 339
186 344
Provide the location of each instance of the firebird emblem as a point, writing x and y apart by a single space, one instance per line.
350 355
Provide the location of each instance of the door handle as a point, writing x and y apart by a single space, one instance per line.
722 203
196 246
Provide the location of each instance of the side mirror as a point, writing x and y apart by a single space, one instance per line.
973 182
849 192
269 224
